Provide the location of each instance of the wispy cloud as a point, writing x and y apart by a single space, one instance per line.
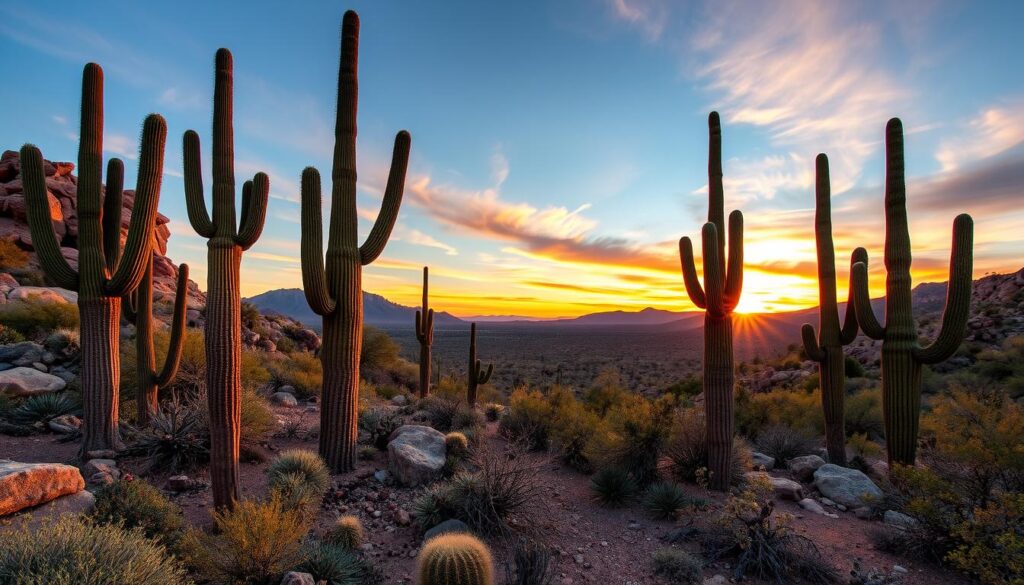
414 236
993 131
648 16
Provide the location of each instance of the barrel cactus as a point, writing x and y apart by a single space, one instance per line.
476 374
827 347
455 559
226 241
105 272
334 291
902 353
425 335
719 296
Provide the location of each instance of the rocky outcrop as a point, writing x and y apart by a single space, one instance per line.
803 467
849 487
416 454
23 485
23 381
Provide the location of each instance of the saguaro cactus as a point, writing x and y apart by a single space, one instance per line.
719 297
226 242
105 273
827 347
138 309
425 335
902 353
335 291
455 559
476 374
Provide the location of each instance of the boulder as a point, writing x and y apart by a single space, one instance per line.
29 382
899 520
849 487
813 506
94 466
416 454
43 294
65 424
446 527
803 467
7 283
297 578
21 354
23 485
785 489
76 504
762 461
285 399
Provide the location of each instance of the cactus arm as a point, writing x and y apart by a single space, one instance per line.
173 359
850 326
138 248
958 295
430 326
129 306
113 199
714 281
484 377
420 334
814 351
314 280
254 210
195 202
862 300
378 238
40 225
734 275
690 278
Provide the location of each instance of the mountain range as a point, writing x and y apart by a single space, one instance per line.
377 310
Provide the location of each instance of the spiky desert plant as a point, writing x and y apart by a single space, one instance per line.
138 309
476 374
425 335
335 291
455 559
347 533
902 353
718 297
827 347
105 272
226 240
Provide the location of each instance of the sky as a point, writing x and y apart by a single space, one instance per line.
559 149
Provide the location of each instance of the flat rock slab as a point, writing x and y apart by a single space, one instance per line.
75 504
842 485
26 381
416 454
23 485
43 294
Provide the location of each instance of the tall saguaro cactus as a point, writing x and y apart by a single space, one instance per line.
425 335
718 297
827 347
105 272
902 353
138 309
226 240
476 374
334 291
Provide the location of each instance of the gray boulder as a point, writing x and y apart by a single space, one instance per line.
416 454
849 487
28 381
24 353
803 467
446 527
899 520
285 399
762 461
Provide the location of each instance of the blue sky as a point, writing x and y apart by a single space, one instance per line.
559 149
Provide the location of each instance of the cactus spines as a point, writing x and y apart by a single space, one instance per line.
334 291
105 273
902 353
425 335
455 559
476 374
723 281
226 240
827 347
138 309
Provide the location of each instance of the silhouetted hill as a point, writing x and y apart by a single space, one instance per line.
377 310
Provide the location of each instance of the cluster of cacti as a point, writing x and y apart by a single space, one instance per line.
105 272
718 297
902 353
335 291
455 559
425 335
138 309
476 374
227 239
827 348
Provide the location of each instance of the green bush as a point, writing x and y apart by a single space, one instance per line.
573 430
637 433
330 563
606 391
42 408
300 370
34 319
379 423
863 413
784 443
75 552
300 478
663 500
793 408
529 421
134 503
687 449
11 256
852 368
379 350
613 487
678 566
9 336
990 543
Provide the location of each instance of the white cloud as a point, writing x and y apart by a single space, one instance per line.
994 130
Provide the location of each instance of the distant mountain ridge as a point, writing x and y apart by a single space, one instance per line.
377 310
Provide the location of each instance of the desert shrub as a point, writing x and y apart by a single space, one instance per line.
299 477
688 387
11 256
332 564
852 368
379 350
763 544
637 432
663 500
687 449
36 319
71 551
862 413
301 370
9 336
493 411
990 543
347 532
862 449
433 507
811 382
784 443
379 423
572 432
529 420
133 503
367 453
606 391
389 391
530 564
42 408
613 487
253 544
176 439
678 566
444 411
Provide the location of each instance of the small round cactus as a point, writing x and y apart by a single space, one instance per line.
347 533
455 559
456 443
